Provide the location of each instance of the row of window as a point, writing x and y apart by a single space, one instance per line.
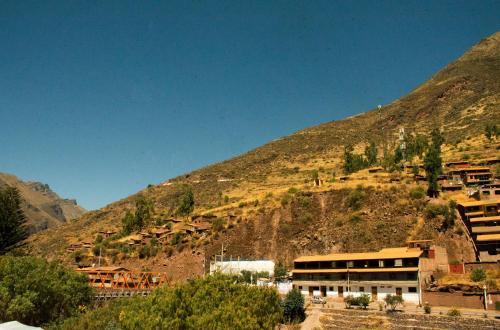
387 263
404 276
411 289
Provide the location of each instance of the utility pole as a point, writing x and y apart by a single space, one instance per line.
100 250
348 285
222 256
485 298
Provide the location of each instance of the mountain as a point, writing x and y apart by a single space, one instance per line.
271 209
43 208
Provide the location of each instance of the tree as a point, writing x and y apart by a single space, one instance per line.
128 223
348 159
280 271
12 219
433 163
371 153
35 292
293 307
393 301
144 211
186 202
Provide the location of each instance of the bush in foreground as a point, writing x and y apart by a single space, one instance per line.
214 302
393 301
35 292
293 307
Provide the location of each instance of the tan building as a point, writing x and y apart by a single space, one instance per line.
482 219
388 271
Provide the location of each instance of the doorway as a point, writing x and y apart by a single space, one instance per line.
374 293
399 291
323 291
341 291
311 290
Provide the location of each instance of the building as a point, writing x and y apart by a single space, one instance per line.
236 266
490 191
477 175
482 219
388 271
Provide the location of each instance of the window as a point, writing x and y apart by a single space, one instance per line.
381 263
334 264
350 264
412 289
330 288
300 287
361 289
398 263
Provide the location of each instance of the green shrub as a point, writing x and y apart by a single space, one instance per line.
218 224
427 309
293 307
355 218
349 300
393 301
213 302
293 190
454 312
417 193
304 201
34 291
355 198
242 204
478 275
363 300
285 199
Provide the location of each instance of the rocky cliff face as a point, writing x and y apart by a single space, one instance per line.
43 207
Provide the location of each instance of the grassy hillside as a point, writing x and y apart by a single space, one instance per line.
43 207
271 208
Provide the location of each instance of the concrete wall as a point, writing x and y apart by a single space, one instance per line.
459 300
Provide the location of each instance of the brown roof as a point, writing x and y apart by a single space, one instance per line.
388 253
103 269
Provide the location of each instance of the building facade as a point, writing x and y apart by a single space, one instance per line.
389 271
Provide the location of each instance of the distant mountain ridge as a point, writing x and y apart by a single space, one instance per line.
43 207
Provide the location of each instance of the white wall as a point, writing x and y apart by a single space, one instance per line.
235 266
409 297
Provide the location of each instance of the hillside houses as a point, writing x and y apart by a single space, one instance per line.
482 219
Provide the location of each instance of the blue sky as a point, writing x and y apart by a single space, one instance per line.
100 98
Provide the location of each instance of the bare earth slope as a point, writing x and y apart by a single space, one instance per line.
43 207
248 191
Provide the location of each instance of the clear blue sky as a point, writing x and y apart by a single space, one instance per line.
100 98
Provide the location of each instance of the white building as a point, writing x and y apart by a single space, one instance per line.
236 266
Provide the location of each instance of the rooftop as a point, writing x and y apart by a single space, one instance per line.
481 203
388 253
487 238
486 219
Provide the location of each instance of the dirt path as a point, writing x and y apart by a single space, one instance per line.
312 319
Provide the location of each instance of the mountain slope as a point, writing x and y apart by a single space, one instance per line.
43 207
265 220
